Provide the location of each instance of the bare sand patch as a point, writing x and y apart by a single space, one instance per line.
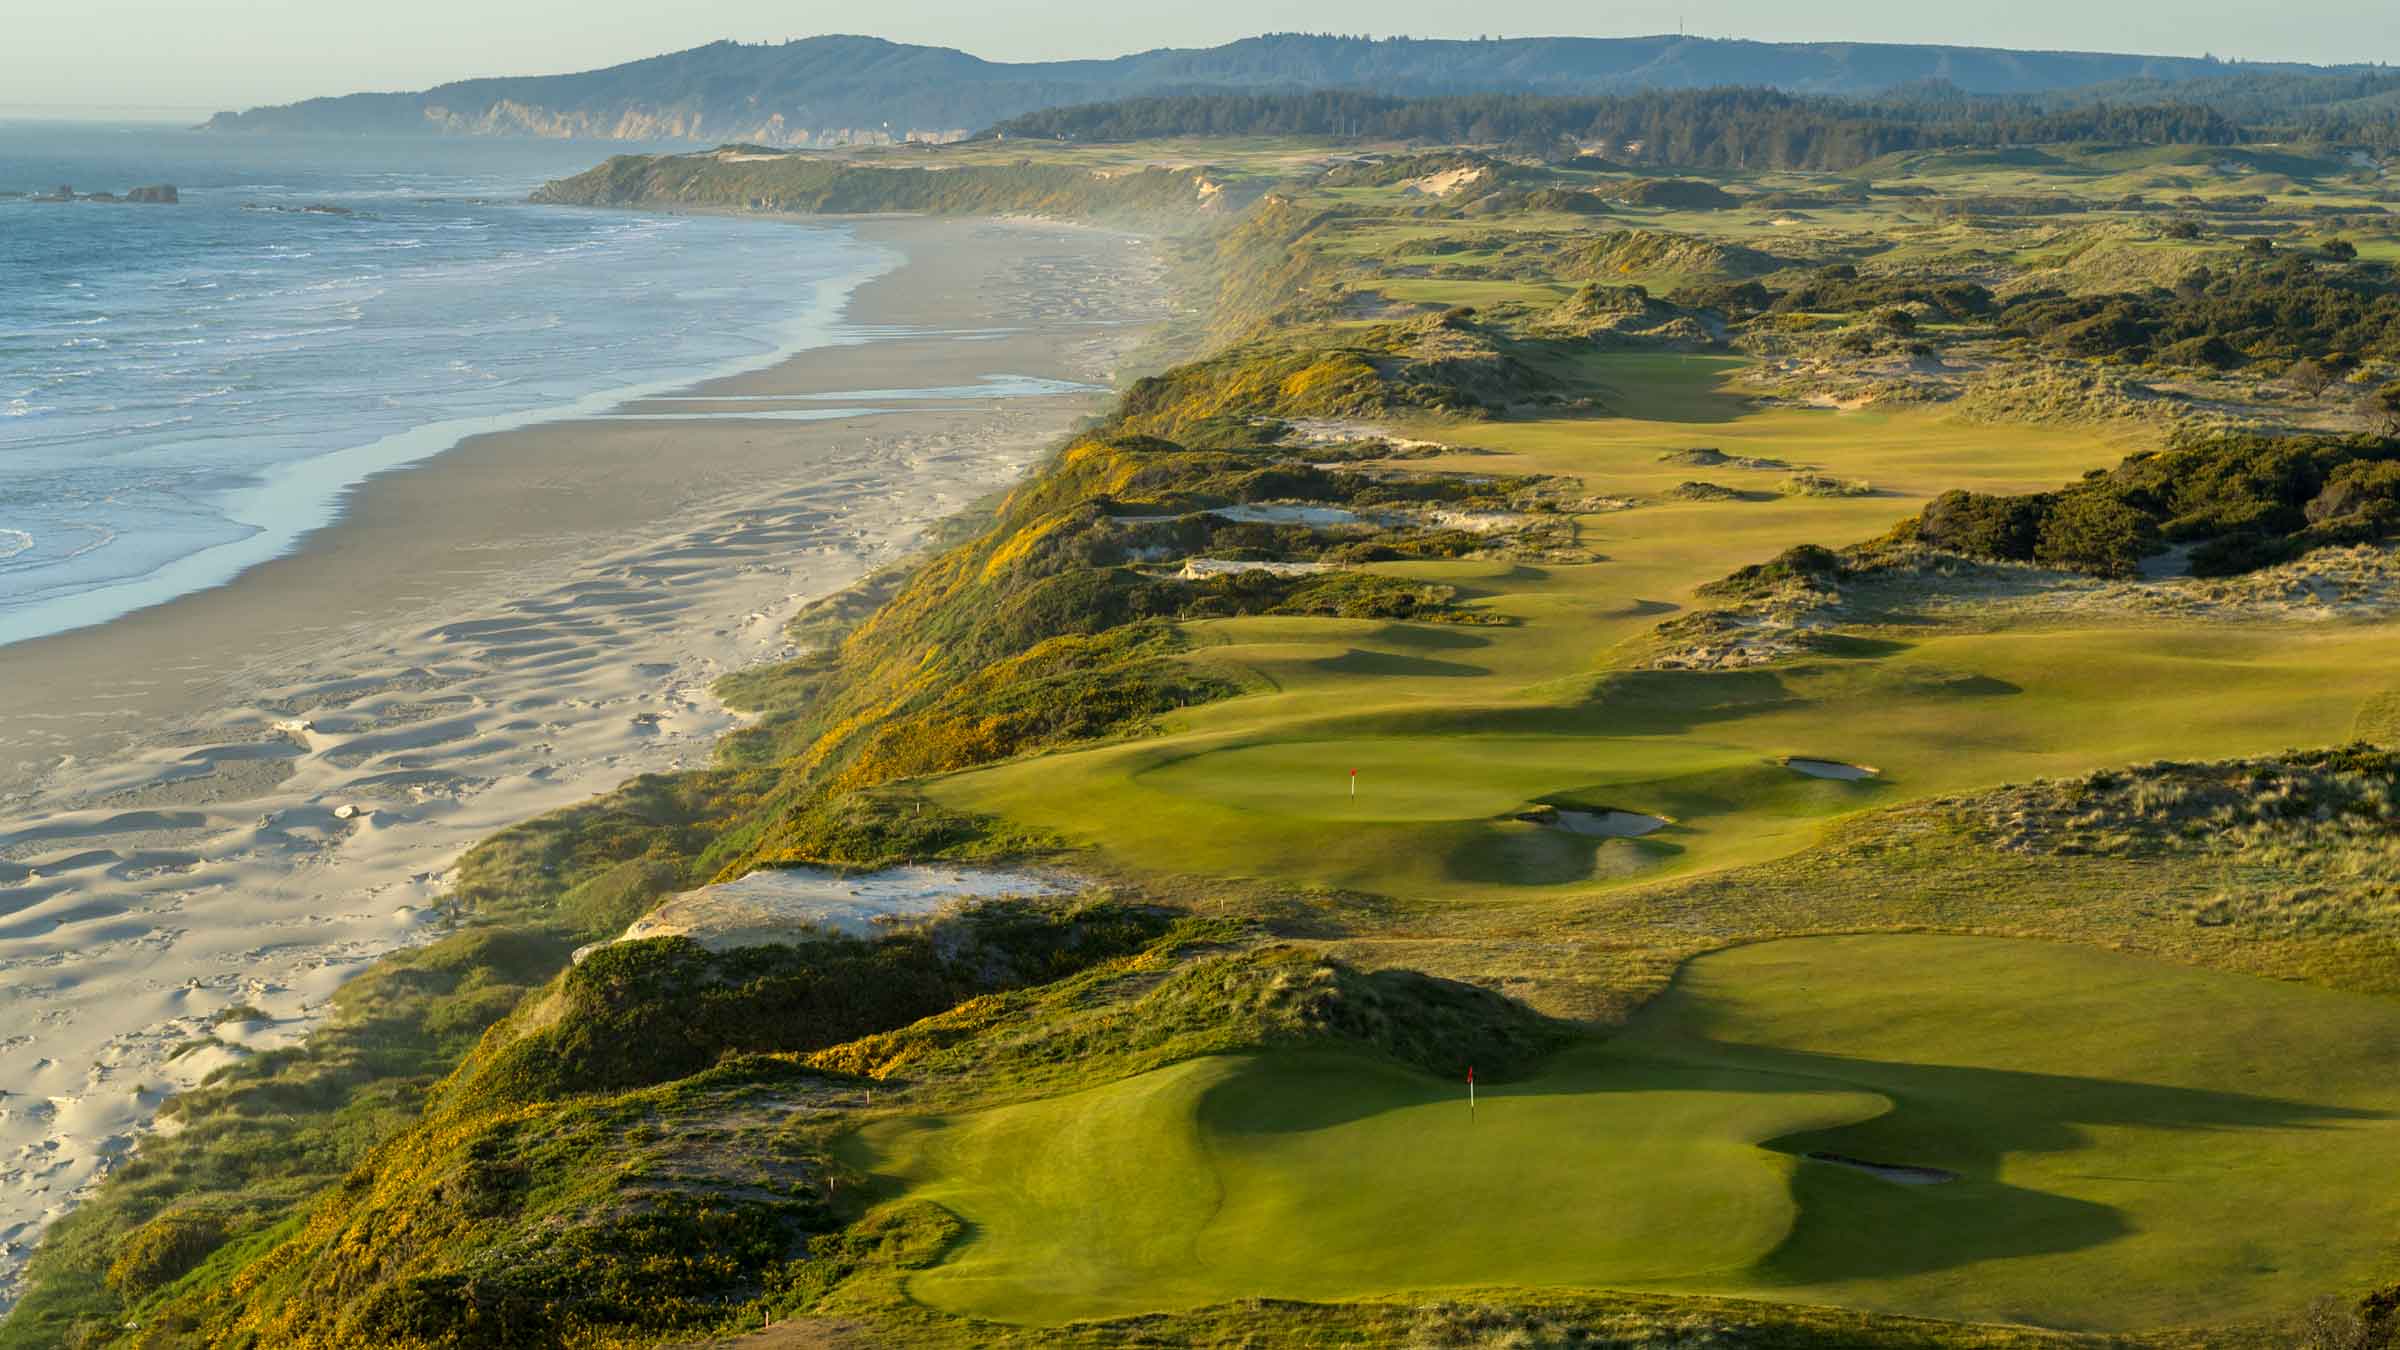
779 904
1201 569
1605 823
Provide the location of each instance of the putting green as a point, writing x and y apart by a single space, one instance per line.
2137 1144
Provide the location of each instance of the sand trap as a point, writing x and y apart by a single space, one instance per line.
1897 1173
1481 522
1831 768
780 904
1445 184
1200 569
1608 824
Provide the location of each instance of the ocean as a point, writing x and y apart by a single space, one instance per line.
187 390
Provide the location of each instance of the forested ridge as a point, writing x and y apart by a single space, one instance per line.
843 88
1744 128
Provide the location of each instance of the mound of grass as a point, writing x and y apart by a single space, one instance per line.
2038 1074
1824 485
2307 840
1697 491
631 1156
1644 253
1674 194
1708 457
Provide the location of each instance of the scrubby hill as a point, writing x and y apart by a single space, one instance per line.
841 89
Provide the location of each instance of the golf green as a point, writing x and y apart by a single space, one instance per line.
2134 1145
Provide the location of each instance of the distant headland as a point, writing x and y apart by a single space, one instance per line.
839 90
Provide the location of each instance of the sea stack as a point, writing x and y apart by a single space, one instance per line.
163 194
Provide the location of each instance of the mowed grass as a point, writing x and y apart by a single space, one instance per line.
2138 1145
1456 728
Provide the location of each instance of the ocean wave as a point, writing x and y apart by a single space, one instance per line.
102 537
14 542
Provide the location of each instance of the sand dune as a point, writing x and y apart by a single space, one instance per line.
245 796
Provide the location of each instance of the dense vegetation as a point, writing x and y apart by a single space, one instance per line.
794 183
1712 128
2285 308
2240 502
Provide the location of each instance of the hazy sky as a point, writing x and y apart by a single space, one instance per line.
239 53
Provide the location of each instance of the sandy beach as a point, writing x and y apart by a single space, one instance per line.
242 796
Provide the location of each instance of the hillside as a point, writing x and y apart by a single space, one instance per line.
1741 722
851 89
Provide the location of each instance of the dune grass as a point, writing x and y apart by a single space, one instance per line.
2110 1120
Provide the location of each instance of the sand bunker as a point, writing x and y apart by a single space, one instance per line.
1201 569
1481 522
1603 824
780 904
1897 1173
1831 768
1446 184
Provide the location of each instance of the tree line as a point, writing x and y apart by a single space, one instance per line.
1700 128
1759 128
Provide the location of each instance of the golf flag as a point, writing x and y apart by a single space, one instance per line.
1354 782
1470 1089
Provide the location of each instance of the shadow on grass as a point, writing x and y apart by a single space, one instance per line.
1432 637
1358 661
1850 1226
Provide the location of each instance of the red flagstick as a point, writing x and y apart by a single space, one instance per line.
1470 1092
1354 782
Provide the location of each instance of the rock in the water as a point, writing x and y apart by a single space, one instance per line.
161 194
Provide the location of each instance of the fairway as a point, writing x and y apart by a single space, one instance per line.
1456 728
2136 1144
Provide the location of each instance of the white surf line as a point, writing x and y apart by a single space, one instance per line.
299 497
129 929
752 415
993 386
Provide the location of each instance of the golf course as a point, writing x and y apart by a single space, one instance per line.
2108 1120
1783 736
1456 728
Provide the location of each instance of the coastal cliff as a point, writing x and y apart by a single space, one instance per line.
749 179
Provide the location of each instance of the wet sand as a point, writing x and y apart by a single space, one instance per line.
244 795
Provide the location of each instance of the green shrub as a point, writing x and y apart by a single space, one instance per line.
164 1250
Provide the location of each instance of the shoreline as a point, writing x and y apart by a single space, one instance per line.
318 490
241 796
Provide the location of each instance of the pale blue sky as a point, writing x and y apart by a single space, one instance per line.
237 53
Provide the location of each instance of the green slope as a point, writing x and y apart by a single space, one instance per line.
2110 1120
